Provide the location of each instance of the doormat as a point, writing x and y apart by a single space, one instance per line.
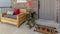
45 29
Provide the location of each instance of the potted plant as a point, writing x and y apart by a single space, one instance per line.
30 20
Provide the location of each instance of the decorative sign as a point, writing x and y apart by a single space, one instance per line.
21 1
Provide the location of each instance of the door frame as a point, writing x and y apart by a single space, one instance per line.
55 9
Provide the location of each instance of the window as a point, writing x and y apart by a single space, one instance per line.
21 1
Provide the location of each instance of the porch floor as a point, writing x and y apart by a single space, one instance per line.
11 29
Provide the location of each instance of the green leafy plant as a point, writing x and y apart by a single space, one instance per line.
30 20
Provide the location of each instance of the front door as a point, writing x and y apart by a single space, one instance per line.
48 9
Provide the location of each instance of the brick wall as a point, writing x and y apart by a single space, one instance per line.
23 5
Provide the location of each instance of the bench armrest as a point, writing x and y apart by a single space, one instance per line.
19 16
4 13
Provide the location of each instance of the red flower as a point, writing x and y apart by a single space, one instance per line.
29 3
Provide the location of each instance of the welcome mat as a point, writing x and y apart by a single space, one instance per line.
45 29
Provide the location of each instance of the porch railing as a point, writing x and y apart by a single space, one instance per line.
4 9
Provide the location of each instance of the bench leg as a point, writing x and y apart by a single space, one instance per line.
17 26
